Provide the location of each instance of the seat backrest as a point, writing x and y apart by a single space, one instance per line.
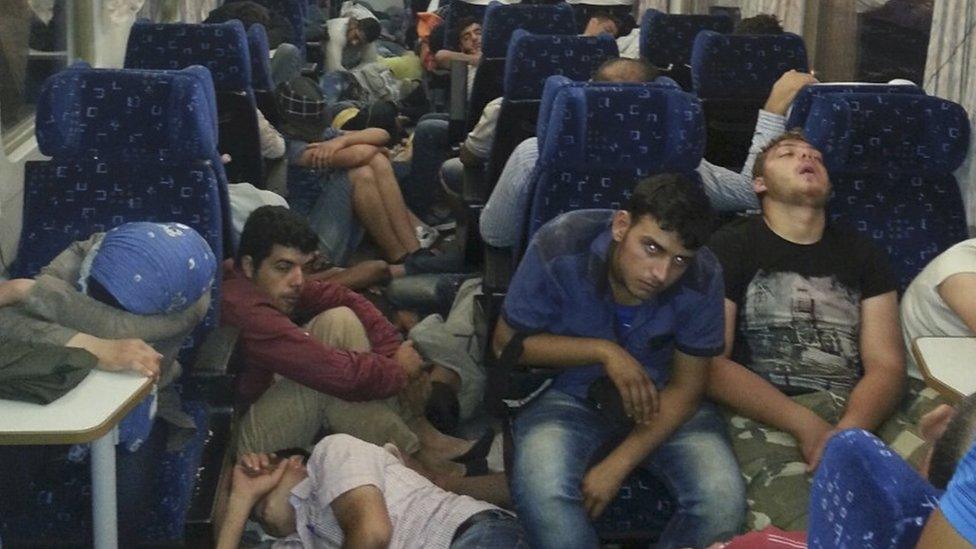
121 114
531 59
501 20
666 40
865 495
733 74
800 108
890 159
728 66
223 49
257 43
602 138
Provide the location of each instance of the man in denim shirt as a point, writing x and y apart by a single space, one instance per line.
630 295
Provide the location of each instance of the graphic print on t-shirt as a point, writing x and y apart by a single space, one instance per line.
801 332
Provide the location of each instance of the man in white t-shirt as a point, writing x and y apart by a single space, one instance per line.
939 302
356 494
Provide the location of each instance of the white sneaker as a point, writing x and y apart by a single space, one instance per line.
427 236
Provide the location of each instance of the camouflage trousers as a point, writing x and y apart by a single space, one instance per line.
777 485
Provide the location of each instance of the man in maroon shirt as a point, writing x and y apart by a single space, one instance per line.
318 355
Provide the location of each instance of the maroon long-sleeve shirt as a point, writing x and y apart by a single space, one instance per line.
274 344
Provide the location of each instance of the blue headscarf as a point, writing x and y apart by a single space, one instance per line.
152 268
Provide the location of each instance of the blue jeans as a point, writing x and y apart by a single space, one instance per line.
500 531
430 149
558 437
333 220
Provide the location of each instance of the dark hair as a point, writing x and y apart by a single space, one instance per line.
462 24
677 203
796 134
370 28
764 23
601 14
954 443
636 70
247 12
379 114
270 225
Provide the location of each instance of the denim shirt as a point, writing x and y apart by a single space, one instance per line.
561 288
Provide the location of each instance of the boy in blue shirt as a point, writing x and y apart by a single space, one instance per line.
633 296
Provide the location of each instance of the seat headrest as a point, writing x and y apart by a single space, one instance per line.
914 133
128 114
501 20
534 57
554 84
864 490
221 47
667 38
257 43
636 127
800 108
726 66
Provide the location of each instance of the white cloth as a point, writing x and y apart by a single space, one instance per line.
272 144
629 44
422 514
483 134
923 312
244 199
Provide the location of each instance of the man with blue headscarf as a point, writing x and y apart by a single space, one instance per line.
113 293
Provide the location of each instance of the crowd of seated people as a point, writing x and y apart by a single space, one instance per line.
653 318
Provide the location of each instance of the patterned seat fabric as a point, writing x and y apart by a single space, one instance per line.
733 76
531 59
120 114
257 43
865 496
222 48
666 40
800 109
501 20
726 66
891 158
601 138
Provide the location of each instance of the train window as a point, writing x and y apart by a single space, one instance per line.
893 40
35 42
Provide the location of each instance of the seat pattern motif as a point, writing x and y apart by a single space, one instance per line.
891 158
532 58
602 138
865 496
800 108
667 39
501 20
257 43
743 66
222 48
121 114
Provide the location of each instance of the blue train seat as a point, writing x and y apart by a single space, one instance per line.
666 40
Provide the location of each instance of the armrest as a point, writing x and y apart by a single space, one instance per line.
216 354
458 102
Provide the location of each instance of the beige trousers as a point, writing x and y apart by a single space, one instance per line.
289 414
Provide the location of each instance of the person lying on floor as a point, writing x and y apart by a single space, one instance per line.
318 355
355 494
